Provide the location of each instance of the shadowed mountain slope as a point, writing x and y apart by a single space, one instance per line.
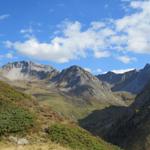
128 127
19 113
132 81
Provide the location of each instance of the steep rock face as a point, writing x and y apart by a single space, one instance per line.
76 81
133 132
132 81
128 127
27 70
140 80
115 79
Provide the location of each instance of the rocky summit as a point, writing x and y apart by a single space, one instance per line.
78 82
27 70
133 81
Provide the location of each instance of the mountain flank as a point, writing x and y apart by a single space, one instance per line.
73 92
25 124
133 81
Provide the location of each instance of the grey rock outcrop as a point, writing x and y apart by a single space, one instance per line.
132 81
79 82
27 70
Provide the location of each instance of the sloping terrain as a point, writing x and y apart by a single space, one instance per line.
77 138
68 106
72 92
14 112
117 79
78 82
128 127
132 81
22 116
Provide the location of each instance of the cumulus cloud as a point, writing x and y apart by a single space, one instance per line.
136 28
130 33
73 44
126 59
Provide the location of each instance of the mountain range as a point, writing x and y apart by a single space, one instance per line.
73 81
112 106
133 81
128 127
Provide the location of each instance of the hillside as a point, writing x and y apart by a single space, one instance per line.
73 92
127 127
80 83
22 117
133 81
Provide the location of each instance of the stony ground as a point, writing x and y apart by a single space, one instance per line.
44 146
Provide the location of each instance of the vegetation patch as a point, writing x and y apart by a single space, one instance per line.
77 138
13 117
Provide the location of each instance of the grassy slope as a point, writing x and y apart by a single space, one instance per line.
14 116
19 113
67 107
71 107
77 138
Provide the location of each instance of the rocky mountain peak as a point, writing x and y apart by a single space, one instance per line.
78 82
75 75
27 65
147 67
21 70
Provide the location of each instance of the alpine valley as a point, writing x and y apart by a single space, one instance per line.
73 109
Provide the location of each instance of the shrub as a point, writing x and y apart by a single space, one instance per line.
76 138
14 119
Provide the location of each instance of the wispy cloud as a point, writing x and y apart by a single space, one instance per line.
4 16
7 55
126 59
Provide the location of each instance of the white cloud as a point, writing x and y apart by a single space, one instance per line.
126 59
73 44
4 16
27 30
136 28
130 33
7 55
98 70
101 54
120 71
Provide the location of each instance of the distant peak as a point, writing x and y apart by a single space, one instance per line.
75 67
147 66
30 65
110 72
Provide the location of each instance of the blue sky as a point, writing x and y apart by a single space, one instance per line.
99 35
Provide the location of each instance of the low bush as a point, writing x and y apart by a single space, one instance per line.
77 138
14 119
